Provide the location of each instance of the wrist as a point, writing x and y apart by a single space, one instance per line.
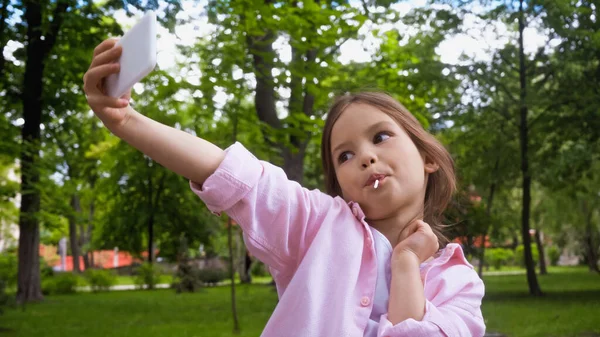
119 128
405 260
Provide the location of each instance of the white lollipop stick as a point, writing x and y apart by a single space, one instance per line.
376 184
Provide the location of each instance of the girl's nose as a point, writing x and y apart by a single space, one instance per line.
368 162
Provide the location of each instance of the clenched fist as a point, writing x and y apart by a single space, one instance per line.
417 241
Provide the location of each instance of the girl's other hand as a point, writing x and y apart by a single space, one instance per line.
416 242
112 111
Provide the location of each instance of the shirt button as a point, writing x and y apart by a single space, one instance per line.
365 301
369 241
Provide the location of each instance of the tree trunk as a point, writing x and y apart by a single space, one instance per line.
151 239
488 212
29 287
236 326
86 233
83 244
590 248
261 49
76 206
540 247
29 284
153 198
534 288
3 33
242 256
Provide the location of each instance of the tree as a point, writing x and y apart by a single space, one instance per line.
40 41
43 24
571 115
246 33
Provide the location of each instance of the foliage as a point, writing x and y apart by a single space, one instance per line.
553 253
8 279
100 279
45 269
212 275
147 276
498 257
259 269
139 194
186 277
60 284
8 269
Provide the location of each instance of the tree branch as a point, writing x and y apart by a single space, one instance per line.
3 19
57 19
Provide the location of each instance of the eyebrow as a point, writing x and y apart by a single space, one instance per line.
368 130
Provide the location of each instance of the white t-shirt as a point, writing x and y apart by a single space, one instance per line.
383 250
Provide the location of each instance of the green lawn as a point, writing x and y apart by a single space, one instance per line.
123 280
570 308
168 279
140 313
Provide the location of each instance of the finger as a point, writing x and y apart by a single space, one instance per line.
422 225
107 101
92 78
105 45
411 228
107 56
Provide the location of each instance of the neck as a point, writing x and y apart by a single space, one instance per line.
392 227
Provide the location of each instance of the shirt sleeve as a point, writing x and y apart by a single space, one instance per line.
453 292
278 216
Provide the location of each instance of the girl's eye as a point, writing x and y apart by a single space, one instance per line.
380 137
345 156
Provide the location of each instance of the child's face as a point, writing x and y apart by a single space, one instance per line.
366 145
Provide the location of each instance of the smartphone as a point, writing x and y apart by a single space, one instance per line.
138 58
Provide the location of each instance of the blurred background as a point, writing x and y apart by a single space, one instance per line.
96 239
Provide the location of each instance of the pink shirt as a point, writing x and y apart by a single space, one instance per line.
321 254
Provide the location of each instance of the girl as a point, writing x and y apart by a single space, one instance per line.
361 261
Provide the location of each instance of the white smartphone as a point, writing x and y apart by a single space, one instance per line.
138 58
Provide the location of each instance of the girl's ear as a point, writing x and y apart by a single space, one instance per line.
430 167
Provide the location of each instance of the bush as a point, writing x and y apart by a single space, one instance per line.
45 270
186 279
100 279
259 269
212 275
8 279
520 255
147 276
553 255
8 270
498 257
60 283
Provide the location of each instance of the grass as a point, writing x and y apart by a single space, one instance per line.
142 313
551 269
126 280
570 306
168 279
569 309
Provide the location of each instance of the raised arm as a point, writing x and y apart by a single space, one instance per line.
180 152
278 216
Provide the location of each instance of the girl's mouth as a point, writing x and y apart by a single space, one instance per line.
375 179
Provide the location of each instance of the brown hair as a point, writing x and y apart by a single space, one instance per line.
441 184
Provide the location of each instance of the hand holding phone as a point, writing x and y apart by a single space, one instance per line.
116 66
